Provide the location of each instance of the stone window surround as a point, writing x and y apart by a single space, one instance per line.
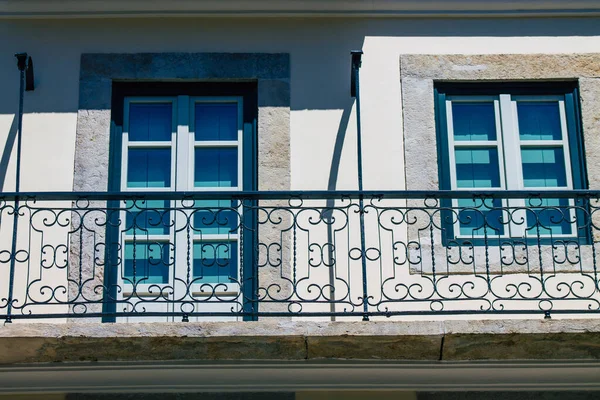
98 71
418 73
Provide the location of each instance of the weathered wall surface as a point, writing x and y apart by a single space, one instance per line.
321 121
321 118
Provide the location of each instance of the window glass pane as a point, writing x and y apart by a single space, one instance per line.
477 218
149 168
150 122
548 217
215 217
215 262
539 120
477 168
147 217
216 167
474 121
152 263
543 167
216 121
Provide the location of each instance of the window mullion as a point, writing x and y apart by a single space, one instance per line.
513 170
449 119
125 148
565 144
510 140
450 138
182 170
182 140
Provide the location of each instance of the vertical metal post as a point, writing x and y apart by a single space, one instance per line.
22 64
355 91
22 61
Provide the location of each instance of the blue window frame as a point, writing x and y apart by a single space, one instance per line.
187 144
510 136
182 137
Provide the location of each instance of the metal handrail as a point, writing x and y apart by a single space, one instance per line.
302 194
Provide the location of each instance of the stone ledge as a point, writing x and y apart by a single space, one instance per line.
301 340
287 328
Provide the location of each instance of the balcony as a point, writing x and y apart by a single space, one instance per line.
146 257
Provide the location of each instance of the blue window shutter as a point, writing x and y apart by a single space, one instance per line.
441 124
576 141
249 268
578 164
111 252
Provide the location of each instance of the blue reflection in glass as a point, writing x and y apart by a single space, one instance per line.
552 218
543 167
150 121
216 167
477 168
215 217
474 121
478 218
216 262
152 263
149 168
539 120
216 121
147 217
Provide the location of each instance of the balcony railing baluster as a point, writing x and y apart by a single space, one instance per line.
248 255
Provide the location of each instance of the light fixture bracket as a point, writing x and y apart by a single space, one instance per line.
356 64
25 63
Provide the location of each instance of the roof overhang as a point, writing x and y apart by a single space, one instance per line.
254 376
297 8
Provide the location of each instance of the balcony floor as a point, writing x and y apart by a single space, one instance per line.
288 340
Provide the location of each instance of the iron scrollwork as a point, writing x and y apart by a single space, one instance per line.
245 255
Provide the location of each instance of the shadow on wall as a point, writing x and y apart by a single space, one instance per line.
331 185
339 143
319 50
7 151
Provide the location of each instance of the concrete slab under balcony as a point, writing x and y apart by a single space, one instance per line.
288 340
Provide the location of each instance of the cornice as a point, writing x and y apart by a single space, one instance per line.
17 9
161 377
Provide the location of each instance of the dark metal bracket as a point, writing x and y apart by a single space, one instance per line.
25 63
356 63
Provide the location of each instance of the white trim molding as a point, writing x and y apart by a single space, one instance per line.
237 376
297 8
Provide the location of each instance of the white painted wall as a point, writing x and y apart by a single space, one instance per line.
319 51
323 151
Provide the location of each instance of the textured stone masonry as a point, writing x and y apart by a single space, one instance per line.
418 74
98 71
301 340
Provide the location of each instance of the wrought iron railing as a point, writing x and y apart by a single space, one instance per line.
245 255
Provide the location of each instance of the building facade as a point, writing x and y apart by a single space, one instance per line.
307 199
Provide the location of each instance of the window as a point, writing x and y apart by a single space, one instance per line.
183 144
186 143
503 138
